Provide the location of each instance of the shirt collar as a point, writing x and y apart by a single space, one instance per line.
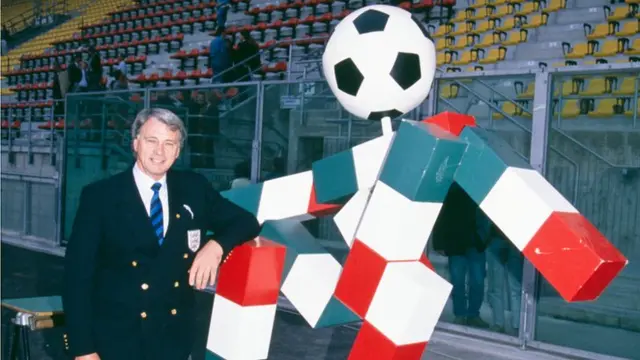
145 181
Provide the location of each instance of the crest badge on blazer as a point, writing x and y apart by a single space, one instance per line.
193 239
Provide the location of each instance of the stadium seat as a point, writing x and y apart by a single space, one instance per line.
555 5
606 108
620 13
629 110
577 51
516 37
526 8
596 86
627 86
629 28
570 109
495 55
634 49
505 24
607 48
599 31
534 20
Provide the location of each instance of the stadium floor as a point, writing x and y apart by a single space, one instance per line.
27 273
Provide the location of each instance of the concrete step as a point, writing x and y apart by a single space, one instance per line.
562 32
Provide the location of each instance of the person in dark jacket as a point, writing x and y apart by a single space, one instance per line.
456 235
140 247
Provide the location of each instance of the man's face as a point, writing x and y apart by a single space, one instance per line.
157 147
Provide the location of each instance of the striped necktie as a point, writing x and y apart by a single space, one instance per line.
156 213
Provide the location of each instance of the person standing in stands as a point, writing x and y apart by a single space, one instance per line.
139 248
247 54
456 235
219 57
504 263
95 70
203 128
222 9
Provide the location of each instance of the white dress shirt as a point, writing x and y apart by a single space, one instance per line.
144 183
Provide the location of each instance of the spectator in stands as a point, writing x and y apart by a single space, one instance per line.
504 263
75 73
279 168
5 37
203 128
456 235
58 98
246 54
122 65
242 175
222 9
121 81
95 70
219 57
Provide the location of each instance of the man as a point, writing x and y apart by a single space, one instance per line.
139 247
455 235
219 56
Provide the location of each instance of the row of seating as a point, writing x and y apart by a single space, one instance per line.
571 109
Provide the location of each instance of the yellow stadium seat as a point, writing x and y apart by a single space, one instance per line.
483 26
516 37
505 24
608 48
461 28
502 11
599 31
555 5
441 44
479 14
620 13
495 55
578 51
443 58
535 21
570 109
450 91
632 1
528 92
499 2
467 57
627 86
527 8
489 40
461 15
596 86
634 49
460 42
629 111
629 28
569 87
605 108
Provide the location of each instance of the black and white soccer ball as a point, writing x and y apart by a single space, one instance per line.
380 61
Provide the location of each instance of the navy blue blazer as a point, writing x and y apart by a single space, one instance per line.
126 297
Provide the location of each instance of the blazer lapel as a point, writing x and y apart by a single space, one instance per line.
136 213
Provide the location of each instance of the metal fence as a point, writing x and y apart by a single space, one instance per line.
579 127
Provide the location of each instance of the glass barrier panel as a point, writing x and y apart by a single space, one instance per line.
97 141
593 159
220 122
486 273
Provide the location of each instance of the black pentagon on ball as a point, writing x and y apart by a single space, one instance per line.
406 70
370 21
378 115
420 25
348 77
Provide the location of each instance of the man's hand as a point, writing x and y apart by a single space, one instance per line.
93 356
205 266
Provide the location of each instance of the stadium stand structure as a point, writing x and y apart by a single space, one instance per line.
165 43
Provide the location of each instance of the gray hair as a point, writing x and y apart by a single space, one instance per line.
165 116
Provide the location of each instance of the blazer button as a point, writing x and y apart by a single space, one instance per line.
174 311
134 263
144 286
186 256
176 284
143 315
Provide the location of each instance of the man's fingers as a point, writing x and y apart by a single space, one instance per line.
192 274
202 272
